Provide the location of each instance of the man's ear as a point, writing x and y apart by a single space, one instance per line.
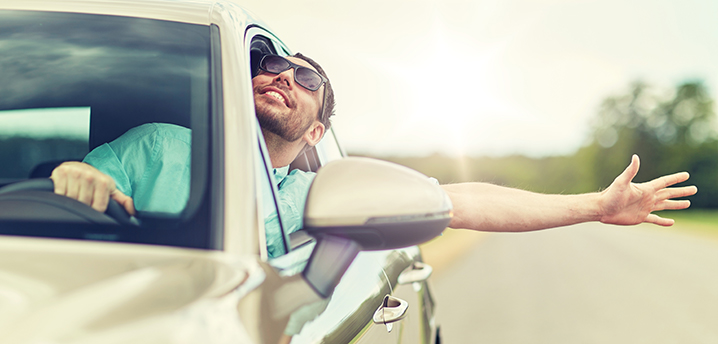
314 134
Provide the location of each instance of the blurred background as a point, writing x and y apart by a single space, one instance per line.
547 95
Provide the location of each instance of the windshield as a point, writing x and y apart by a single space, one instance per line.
74 82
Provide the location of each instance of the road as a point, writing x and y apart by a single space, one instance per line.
589 283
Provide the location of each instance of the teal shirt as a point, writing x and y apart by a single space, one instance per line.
151 164
293 188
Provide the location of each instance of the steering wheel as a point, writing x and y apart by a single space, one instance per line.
36 191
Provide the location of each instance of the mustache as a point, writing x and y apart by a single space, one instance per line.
282 86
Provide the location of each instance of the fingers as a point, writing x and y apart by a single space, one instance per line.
125 201
672 205
73 189
99 199
666 181
59 182
655 219
83 190
678 192
84 183
654 195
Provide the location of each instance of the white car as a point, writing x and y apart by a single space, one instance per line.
78 73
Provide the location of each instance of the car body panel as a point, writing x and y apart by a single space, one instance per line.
240 138
195 12
346 319
419 324
60 289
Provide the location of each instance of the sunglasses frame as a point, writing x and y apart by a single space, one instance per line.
296 68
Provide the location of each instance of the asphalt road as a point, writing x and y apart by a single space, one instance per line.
589 283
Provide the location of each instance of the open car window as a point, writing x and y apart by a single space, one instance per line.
74 83
279 209
284 190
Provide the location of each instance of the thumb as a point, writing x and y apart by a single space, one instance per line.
630 172
125 201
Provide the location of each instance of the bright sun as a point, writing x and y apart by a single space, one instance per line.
448 89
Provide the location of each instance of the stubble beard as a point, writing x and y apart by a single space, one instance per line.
290 127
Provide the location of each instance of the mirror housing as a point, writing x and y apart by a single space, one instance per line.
378 204
362 204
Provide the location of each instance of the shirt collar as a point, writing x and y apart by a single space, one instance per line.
280 174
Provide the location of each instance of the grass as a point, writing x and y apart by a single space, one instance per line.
700 221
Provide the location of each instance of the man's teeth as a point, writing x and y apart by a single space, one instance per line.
276 95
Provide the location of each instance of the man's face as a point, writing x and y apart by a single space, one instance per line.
284 107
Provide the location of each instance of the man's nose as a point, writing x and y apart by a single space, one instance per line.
287 77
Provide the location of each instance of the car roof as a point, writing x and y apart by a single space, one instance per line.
188 11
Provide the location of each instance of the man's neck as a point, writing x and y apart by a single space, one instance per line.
281 152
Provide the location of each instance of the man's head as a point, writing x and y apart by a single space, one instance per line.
327 110
290 113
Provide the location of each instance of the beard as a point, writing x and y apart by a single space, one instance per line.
290 127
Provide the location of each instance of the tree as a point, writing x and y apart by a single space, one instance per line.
670 131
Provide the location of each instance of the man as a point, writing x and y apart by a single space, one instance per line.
293 107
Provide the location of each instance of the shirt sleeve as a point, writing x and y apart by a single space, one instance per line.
106 161
151 164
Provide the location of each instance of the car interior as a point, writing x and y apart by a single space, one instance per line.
110 120
122 83
121 96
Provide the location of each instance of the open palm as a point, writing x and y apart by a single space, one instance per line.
628 203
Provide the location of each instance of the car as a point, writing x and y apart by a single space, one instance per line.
80 73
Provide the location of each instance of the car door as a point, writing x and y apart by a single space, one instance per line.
408 277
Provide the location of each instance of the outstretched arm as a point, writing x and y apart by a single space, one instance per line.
488 207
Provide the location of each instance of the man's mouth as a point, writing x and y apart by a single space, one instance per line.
277 96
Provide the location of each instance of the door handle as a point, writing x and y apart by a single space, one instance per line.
392 309
417 272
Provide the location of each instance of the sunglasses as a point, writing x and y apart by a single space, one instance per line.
305 77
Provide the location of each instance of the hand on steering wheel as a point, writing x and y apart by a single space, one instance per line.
113 210
85 183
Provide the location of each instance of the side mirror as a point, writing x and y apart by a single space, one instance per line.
357 204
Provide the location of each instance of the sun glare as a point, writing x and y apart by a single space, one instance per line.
449 90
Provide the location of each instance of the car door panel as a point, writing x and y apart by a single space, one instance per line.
348 314
408 276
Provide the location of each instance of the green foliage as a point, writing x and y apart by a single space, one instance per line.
553 174
670 130
671 133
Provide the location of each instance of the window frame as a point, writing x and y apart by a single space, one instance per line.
188 230
253 35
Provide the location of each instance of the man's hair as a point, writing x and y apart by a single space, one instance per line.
328 100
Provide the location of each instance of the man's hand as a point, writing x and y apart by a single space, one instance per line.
627 203
88 185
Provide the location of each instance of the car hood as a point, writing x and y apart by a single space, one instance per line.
64 291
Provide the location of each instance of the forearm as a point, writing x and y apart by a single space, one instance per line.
488 207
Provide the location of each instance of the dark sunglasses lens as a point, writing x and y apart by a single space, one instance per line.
308 78
274 64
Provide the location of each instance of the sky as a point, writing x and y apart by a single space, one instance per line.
490 77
